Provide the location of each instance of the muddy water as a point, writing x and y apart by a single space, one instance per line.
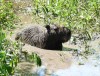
55 63
89 66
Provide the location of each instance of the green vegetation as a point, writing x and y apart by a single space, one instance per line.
76 14
8 57
82 16
8 50
34 58
7 15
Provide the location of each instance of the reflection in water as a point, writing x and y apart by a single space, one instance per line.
41 71
76 70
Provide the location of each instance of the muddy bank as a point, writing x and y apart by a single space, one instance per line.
51 60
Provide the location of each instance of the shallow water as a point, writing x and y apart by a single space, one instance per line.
76 70
89 66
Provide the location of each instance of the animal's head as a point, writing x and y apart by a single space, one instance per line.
52 29
63 33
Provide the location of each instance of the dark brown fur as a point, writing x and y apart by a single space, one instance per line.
48 37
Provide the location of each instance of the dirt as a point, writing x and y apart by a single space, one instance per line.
53 60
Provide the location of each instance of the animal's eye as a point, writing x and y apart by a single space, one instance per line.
56 29
64 28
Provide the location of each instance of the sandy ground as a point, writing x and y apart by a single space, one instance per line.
50 58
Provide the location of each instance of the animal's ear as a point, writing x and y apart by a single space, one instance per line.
47 27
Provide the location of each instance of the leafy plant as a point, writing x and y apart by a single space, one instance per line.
8 56
8 62
7 15
82 16
32 58
35 58
9 50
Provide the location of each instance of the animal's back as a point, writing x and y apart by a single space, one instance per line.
33 35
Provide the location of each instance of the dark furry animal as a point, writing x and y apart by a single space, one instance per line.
48 37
